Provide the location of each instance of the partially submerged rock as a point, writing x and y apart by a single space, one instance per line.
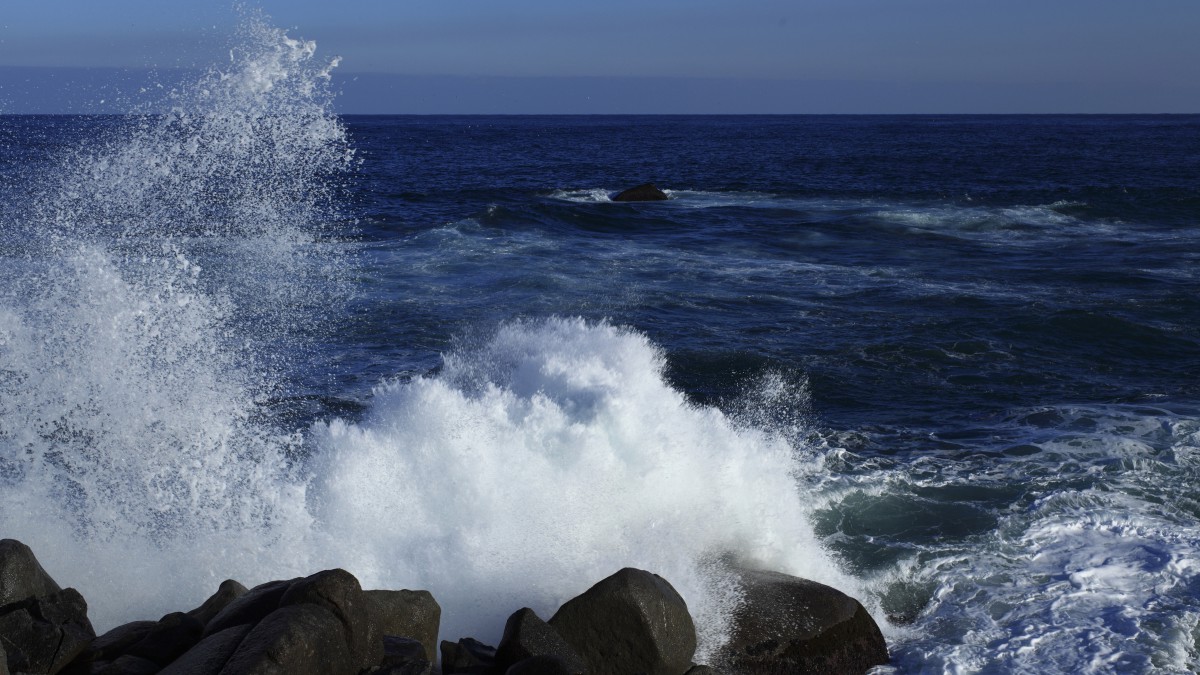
791 625
646 192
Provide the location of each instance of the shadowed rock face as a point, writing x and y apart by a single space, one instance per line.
646 192
631 622
21 575
793 625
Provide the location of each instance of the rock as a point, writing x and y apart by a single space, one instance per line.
468 655
118 640
44 634
128 665
631 622
792 625
211 654
339 592
227 592
3 660
526 636
646 192
250 607
545 664
403 656
302 639
21 575
168 639
701 670
410 614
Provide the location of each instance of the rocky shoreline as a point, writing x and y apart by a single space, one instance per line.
631 622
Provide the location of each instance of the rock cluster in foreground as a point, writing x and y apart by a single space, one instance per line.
631 622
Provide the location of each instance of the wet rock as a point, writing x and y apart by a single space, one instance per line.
792 625
211 654
410 614
168 639
545 664
227 592
702 670
526 636
631 622
339 592
44 634
127 665
646 192
21 575
3 660
468 655
403 656
303 639
250 607
118 640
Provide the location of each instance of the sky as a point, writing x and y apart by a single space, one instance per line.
664 56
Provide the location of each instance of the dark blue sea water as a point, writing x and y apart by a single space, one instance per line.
945 363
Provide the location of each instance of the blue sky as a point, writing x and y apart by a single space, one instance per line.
853 56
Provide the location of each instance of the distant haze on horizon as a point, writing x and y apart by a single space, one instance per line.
672 56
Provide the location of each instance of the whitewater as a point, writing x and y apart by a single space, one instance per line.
242 336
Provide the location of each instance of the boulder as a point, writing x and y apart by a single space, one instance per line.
545 664
127 665
410 614
339 592
631 622
646 192
168 639
792 625
227 592
701 670
21 575
468 655
526 636
248 608
302 639
43 634
118 640
3 660
403 656
211 654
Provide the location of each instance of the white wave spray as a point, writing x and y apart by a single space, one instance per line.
162 290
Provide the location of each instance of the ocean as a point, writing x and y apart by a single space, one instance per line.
946 364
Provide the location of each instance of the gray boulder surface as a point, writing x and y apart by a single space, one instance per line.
468 655
227 592
791 625
250 607
526 636
631 622
21 575
45 633
410 614
545 664
211 654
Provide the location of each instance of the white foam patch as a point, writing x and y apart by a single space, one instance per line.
546 459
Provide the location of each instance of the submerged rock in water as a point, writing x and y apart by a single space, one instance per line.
792 625
646 192
631 622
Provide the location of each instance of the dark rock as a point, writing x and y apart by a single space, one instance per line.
646 192
410 614
545 664
44 634
526 636
403 656
250 607
128 665
468 655
211 654
792 625
21 575
339 592
118 640
701 670
631 622
227 592
168 639
303 639
3 660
